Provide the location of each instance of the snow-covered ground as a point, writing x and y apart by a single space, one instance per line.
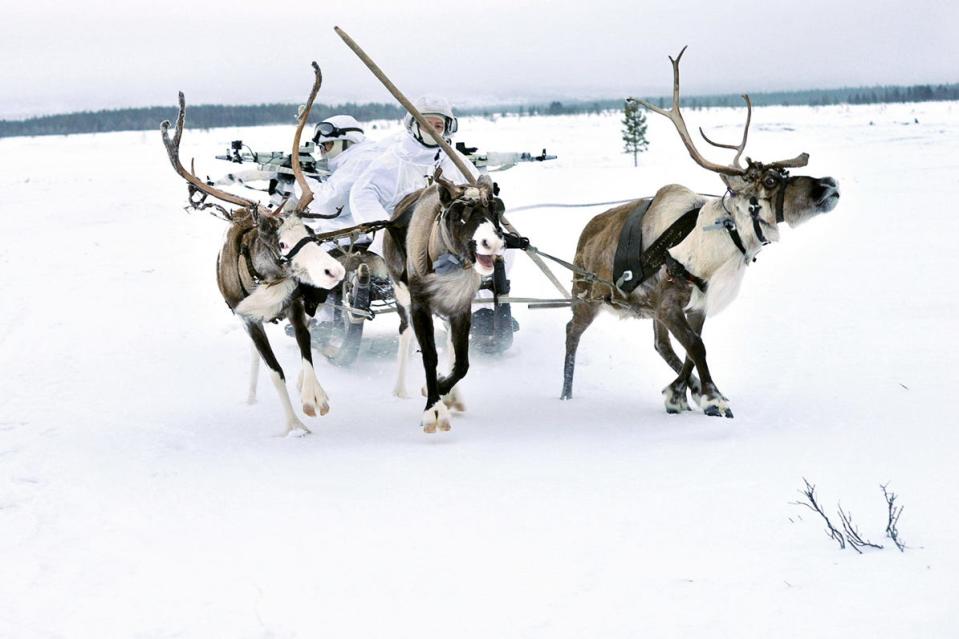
141 497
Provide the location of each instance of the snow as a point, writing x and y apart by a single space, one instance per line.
140 496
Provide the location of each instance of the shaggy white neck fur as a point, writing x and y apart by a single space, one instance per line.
713 256
267 300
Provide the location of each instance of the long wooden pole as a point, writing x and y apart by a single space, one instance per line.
438 138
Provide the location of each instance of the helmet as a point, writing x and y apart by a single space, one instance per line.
431 105
338 127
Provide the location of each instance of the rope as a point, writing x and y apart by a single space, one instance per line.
559 205
587 275
366 227
564 205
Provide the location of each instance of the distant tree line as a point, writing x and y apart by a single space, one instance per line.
206 116
812 97
202 116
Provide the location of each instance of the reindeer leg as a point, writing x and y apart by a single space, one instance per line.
696 321
406 336
583 315
312 395
254 373
435 414
713 403
675 395
258 335
459 343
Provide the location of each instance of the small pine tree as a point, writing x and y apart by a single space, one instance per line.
634 130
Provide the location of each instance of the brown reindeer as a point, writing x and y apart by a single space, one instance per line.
689 256
442 242
269 263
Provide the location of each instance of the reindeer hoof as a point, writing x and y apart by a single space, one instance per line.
717 407
675 400
455 404
454 401
313 397
436 416
295 429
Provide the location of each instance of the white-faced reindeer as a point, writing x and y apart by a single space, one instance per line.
265 260
442 243
688 254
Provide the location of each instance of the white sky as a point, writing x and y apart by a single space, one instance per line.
62 56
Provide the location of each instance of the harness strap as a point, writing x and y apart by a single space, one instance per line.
248 260
780 201
676 269
627 271
309 239
322 216
655 255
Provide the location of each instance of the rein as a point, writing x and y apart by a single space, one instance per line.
729 224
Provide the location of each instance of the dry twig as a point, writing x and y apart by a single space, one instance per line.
852 533
894 512
812 504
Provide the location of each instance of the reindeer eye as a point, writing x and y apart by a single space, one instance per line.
283 246
770 182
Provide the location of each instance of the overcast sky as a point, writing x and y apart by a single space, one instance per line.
92 54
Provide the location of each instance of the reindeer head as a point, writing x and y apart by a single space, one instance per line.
763 191
289 241
297 252
470 221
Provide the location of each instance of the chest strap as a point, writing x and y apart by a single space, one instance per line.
655 255
676 270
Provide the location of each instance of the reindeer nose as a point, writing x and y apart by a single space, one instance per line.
829 183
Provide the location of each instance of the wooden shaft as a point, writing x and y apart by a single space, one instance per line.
413 111
453 155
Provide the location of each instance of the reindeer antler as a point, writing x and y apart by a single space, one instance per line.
173 151
800 160
742 145
307 195
676 117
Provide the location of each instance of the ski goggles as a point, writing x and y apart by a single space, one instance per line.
329 130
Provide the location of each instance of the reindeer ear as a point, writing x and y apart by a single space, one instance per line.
445 195
266 224
733 182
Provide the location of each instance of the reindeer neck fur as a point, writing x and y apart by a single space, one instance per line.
447 293
713 256
260 299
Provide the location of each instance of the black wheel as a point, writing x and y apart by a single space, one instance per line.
495 335
352 305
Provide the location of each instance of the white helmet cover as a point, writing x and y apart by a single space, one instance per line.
345 127
431 105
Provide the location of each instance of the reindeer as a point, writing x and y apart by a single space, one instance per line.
695 250
269 263
442 241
